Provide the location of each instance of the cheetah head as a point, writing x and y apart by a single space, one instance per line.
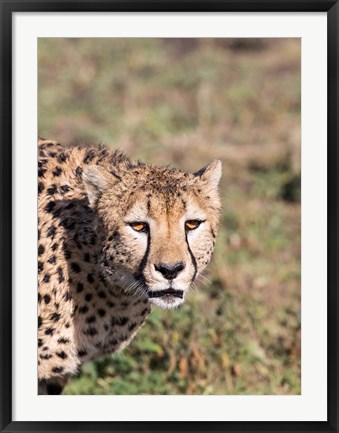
156 226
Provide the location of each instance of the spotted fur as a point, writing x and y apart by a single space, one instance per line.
97 275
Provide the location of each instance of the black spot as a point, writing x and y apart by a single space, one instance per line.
41 172
46 278
101 276
110 304
78 244
40 342
49 331
120 321
39 298
132 326
41 250
52 154
87 257
88 297
50 206
80 287
54 389
102 294
47 299
83 310
90 278
75 267
70 206
68 296
91 319
54 246
41 187
67 325
39 321
103 153
47 356
51 260
55 317
78 171
113 342
60 274
62 157
89 156
56 213
57 171
144 311
82 352
64 188
57 369
40 266
86 208
90 331
63 340
101 312
62 355
52 190
68 223
67 254
51 232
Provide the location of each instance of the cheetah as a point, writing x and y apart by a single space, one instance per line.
116 237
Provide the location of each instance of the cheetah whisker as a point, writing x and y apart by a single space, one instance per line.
204 280
194 287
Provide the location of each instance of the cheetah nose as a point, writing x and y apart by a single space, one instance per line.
170 270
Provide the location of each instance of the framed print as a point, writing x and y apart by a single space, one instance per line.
169 216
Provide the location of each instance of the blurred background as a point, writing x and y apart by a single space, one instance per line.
186 102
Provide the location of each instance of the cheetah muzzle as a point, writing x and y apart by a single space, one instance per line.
115 237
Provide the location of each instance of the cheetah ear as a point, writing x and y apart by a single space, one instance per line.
211 174
96 180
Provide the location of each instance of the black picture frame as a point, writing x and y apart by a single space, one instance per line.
7 8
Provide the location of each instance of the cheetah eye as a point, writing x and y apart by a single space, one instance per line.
192 224
139 226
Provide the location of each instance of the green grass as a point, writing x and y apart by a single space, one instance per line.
187 102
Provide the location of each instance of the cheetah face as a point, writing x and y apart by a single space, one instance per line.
156 226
